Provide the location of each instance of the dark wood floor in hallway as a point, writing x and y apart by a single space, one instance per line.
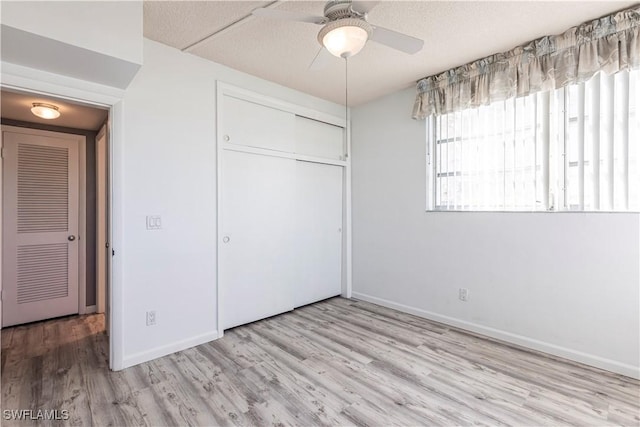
337 362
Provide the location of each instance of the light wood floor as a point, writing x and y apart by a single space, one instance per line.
338 362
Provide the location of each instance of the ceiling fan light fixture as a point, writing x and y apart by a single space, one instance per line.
45 111
345 37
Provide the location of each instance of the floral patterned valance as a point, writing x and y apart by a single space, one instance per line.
608 44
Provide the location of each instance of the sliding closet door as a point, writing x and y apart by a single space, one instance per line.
318 232
256 252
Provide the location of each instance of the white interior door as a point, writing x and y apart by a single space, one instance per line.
318 232
40 227
256 251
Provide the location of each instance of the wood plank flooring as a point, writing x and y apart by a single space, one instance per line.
337 362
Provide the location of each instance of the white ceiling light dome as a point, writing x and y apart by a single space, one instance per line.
345 37
45 111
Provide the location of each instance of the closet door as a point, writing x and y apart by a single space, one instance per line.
318 139
318 232
253 125
257 251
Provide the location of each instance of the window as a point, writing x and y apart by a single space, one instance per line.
575 148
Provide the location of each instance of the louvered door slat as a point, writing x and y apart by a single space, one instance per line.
43 174
43 272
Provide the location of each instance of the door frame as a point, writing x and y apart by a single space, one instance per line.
26 79
102 220
82 205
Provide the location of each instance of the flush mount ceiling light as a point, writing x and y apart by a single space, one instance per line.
45 111
345 37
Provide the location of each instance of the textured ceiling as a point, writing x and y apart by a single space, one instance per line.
17 106
455 32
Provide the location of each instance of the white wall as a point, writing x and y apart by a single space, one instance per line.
98 41
86 24
565 283
169 169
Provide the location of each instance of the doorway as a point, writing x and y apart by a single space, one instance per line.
54 210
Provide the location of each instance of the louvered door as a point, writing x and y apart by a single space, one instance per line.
40 226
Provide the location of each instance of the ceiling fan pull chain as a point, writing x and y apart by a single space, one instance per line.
346 93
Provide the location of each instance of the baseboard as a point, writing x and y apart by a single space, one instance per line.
567 353
154 353
90 309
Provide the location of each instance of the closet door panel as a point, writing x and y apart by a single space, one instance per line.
318 232
314 138
255 125
256 252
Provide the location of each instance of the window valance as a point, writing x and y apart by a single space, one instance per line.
608 44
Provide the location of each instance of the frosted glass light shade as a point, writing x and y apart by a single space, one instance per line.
344 42
345 37
45 111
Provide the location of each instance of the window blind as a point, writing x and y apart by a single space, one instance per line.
574 148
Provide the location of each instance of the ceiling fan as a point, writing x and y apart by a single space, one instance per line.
345 28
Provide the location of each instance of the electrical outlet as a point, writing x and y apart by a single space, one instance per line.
463 294
151 318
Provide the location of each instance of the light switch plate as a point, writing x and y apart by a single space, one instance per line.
154 222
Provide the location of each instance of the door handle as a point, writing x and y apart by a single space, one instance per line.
71 238
226 239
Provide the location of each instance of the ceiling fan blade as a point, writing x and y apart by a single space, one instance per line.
363 6
285 15
396 40
321 60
